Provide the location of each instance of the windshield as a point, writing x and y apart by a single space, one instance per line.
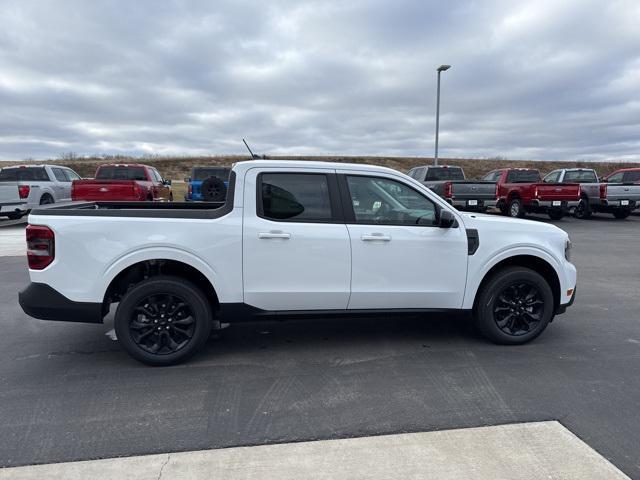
121 173
204 173
21 174
580 176
445 173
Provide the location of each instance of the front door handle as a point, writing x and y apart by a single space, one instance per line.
267 235
376 237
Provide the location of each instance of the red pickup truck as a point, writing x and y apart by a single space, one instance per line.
123 182
624 175
520 191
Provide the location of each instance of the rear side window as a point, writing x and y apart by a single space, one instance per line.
300 197
60 174
24 174
71 174
632 177
523 176
121 173
444 173
580 176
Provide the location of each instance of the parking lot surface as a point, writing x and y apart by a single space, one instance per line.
69 393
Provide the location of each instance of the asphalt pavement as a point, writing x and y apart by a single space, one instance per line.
68 392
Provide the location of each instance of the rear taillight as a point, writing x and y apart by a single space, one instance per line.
448 190
24 190
603 190
40 246
535 192
136 191
189 189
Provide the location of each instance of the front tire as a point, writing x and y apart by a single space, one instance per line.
163 320
514 306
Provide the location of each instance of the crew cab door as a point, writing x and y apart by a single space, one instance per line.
400 258
295 246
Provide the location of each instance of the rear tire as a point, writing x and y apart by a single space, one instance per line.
514 306
583 210
46 199
621 213
515 208
163 320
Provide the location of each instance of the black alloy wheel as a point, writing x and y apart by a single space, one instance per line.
582 210
162 324
514 306
163 320
518 309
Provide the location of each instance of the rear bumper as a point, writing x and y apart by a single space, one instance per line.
41 301
468 203
564 204
13 207
630 204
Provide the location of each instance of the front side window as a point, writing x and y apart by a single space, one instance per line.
300 197
383 201
553 177
616 178
492 176
60 175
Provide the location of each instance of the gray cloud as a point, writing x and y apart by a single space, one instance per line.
532 79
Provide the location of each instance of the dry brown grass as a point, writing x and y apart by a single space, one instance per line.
179 167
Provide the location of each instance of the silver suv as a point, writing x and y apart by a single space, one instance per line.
41 184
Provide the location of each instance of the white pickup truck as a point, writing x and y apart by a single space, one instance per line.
292 239
11 205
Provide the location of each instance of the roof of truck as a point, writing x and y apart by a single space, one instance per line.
249 164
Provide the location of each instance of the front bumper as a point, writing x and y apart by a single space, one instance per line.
563 308
41 301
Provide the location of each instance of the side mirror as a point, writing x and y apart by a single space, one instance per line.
446 220
603 180
166 182
187 179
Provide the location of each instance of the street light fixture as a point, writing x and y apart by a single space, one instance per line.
441 68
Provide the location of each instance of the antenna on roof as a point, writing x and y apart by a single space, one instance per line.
253 155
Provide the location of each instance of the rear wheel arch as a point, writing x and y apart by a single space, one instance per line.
133 274
532 262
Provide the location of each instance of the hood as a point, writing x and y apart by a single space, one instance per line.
499 222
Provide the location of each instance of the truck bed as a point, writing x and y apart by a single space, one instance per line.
139 209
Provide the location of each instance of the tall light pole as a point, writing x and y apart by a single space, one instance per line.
441 68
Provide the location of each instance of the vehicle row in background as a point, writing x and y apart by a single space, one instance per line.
517 191
124 182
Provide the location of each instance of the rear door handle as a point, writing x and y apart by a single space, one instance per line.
267 235
376 237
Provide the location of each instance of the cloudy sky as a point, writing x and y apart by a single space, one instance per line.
544 79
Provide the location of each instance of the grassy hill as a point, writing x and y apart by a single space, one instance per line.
179 167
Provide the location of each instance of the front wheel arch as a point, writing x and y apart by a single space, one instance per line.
532 262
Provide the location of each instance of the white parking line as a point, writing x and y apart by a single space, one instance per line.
12 241
527 451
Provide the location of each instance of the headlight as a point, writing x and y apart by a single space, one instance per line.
567 250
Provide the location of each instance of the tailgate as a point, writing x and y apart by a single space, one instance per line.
474 190
623 192
558 191
9 193
117 190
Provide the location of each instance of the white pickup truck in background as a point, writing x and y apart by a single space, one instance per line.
292 239
40 184
11 205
